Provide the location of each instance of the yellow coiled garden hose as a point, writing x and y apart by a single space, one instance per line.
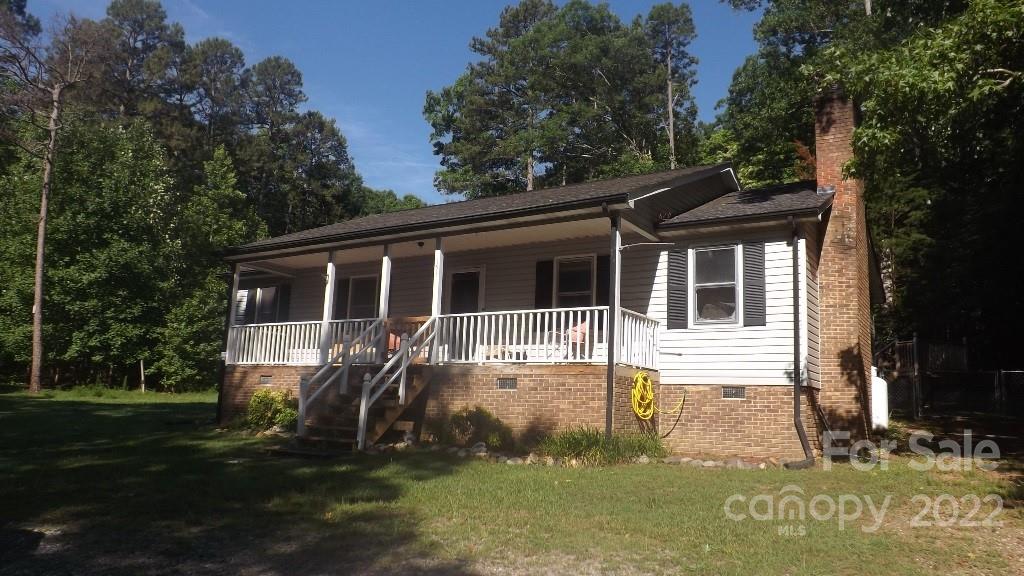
642 396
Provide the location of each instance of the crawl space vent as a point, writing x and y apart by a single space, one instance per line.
506 383
266 380
734 392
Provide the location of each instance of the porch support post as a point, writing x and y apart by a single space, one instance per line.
325 324
615 261
232 315
435 300
385 298
385 283
229 340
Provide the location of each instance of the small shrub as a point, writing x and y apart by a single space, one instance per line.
269 408
898 434
469 426
592 447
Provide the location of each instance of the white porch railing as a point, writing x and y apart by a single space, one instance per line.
575 335
279 343
293 343
638 340
555 336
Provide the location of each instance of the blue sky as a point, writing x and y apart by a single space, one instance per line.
368 64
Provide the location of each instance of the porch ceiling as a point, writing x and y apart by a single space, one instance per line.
595 227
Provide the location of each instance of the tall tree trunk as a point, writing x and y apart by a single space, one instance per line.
529 172
35 383
671 115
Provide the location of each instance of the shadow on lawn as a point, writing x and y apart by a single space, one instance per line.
88 488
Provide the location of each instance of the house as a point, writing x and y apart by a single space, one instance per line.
541 306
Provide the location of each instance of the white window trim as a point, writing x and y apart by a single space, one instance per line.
376 294
691 287
593 277
482 279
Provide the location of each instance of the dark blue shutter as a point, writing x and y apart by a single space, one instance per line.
604 277
753 284
678 291
284 302
544 285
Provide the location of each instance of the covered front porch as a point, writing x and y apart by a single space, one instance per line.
369 325
544 294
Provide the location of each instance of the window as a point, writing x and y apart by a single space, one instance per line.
714 285
264 305
574 282
362 297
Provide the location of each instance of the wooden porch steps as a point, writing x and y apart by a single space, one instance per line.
335 427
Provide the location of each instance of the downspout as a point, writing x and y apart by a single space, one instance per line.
798 423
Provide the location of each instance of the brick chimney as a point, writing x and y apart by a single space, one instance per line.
845 301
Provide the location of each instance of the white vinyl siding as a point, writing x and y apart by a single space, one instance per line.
734 354
708 354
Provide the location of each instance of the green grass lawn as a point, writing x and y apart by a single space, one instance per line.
127 483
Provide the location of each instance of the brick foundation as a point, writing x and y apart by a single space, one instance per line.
240 382
557 397
760 425
546 398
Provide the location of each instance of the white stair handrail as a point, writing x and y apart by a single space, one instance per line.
409 349
364 337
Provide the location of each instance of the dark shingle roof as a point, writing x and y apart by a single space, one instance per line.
784 199
493 208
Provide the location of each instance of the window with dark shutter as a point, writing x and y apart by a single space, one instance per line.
677 289
544 284
753 284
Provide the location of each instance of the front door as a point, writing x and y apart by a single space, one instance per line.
465 292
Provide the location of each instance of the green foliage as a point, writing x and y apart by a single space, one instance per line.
563 95
592 447
268 408
109 257
169 154
380 201
471 425
939 148
941 94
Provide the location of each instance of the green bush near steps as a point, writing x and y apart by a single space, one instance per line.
269 408
471 425
591 447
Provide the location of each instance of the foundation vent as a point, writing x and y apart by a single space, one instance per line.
734 392
506 383
266 380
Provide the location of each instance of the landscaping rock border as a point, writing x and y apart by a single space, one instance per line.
481 452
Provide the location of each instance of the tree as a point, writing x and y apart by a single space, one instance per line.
138 33
939 147
670 30
274 93
40 77
216 217
381 201
214 71
559 95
